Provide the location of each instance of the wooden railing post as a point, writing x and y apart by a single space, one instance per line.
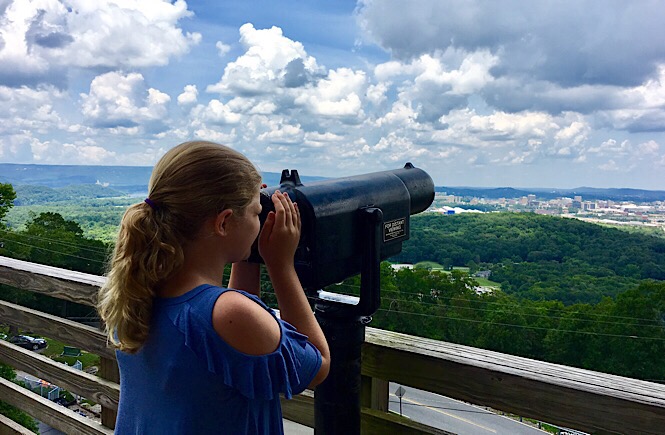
374 393
108 369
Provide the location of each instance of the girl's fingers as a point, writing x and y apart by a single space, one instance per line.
292 207
287 213
298 218
288 207
280 212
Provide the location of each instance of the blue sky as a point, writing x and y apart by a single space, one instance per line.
503 93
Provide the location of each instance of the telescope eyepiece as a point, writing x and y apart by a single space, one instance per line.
291 178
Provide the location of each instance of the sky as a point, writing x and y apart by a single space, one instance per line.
563 94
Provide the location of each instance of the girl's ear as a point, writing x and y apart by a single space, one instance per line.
222 222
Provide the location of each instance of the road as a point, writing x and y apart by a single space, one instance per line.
454 416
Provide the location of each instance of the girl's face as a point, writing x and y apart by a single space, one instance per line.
245 228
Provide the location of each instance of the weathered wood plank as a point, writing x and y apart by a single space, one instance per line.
300 408
59 283
108 369
89 386
374 393
374 422
48 412
629 388
66 331
10 427
577 398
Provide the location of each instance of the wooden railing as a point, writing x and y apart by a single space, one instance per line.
576 398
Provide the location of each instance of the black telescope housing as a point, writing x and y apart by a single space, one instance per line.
350 224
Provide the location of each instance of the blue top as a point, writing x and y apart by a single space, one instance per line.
187 380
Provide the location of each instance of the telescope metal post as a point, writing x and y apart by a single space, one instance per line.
337 399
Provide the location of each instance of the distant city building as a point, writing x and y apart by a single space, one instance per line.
452 210
612 212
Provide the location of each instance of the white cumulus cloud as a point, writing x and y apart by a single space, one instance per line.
188 96
43 38
335 95
222 49
123 100
265 64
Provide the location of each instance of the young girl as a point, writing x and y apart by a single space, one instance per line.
194 357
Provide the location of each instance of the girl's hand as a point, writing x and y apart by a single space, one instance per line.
281 232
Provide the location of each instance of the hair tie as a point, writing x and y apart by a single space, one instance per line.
151 203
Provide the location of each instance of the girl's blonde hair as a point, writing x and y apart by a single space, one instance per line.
190 183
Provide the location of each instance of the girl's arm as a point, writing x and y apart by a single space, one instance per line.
277 244
245 276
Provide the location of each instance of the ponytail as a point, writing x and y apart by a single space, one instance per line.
145 253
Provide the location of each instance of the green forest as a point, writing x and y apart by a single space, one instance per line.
539 257
570 292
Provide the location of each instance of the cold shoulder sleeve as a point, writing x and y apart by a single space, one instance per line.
287 370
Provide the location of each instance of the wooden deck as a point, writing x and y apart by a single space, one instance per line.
576 398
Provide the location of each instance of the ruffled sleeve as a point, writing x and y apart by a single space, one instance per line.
288 370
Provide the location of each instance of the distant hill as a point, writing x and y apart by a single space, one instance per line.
623 194
122 179
28 194
126 179
484 192
134 179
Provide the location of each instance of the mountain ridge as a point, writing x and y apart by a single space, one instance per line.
134 179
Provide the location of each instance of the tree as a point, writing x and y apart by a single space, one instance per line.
55 241
7 197
48 223
59 242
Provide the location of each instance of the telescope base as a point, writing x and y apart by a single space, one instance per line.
337 399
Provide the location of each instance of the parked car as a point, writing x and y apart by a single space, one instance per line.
64 402
28 342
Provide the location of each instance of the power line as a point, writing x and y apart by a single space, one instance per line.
508 324
510 306
59 252
540 328
543 316
60 242
264 275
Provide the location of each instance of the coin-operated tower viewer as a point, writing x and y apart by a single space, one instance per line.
349 225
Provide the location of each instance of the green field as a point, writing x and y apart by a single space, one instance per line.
432 265
55 348
487 283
